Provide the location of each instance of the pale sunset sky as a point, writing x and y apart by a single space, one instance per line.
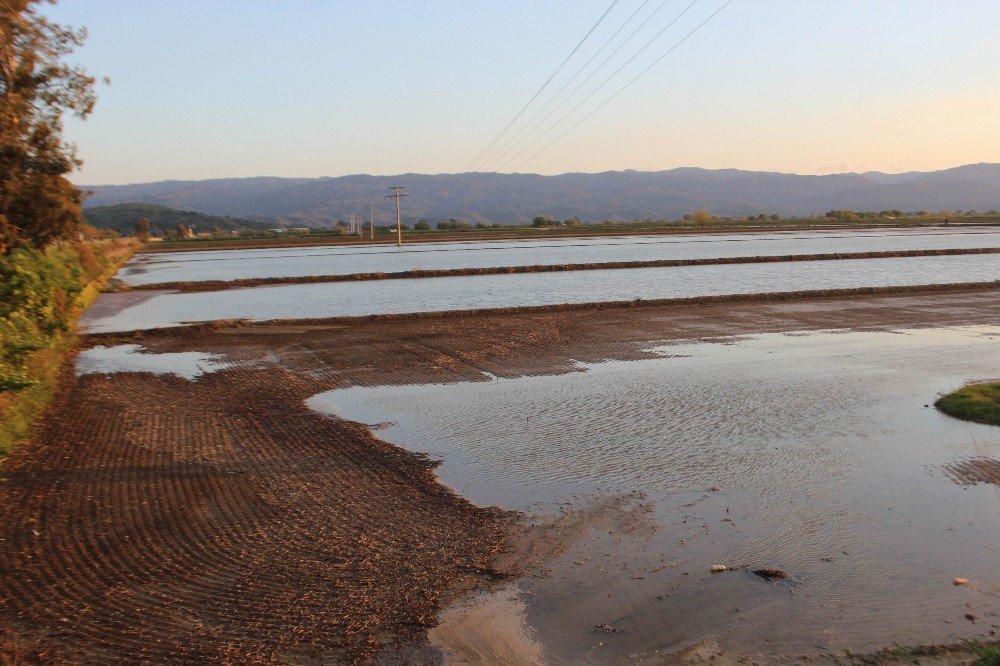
235 88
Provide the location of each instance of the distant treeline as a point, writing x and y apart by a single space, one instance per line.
164 221
189 231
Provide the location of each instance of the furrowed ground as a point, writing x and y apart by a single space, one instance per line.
156 519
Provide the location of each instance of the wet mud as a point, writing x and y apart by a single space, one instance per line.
219 519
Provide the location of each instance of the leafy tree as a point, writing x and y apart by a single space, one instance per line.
37 203
422 225
572 222
142 229
842 215
701 217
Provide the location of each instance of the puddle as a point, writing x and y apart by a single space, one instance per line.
817 454
133 358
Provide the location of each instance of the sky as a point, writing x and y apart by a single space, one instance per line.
308 88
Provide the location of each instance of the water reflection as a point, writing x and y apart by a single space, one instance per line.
289 262
134 358
498 291
815 454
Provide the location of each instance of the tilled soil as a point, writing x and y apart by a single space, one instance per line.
160 520
157 520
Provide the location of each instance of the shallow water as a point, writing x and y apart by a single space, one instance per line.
295 262
134 358
816 454
127 311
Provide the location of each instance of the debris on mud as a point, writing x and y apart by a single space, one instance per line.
608 629
771 574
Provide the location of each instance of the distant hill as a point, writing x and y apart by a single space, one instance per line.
122 218
516 198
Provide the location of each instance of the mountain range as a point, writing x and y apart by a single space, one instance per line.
517 198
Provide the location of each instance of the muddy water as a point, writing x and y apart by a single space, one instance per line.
241 264
816 454
123 311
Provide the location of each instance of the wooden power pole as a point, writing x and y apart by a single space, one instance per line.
397 193
371 219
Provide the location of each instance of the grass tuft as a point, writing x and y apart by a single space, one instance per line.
975 402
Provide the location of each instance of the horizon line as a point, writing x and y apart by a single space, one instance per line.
556 175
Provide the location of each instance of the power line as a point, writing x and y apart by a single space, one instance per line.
501 157
623 88
600 85
544 85
501 151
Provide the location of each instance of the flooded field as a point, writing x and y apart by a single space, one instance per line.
295 262
814 454
127 311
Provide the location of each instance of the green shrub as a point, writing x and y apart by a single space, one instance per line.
41 293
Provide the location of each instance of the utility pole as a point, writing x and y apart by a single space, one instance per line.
396 194
371 219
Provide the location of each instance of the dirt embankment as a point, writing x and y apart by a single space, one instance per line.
158 519
219 285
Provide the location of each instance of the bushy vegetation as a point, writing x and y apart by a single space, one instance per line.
985 655
976 402
41 293
161 220
453 225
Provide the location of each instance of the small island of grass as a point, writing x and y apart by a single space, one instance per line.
975 402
